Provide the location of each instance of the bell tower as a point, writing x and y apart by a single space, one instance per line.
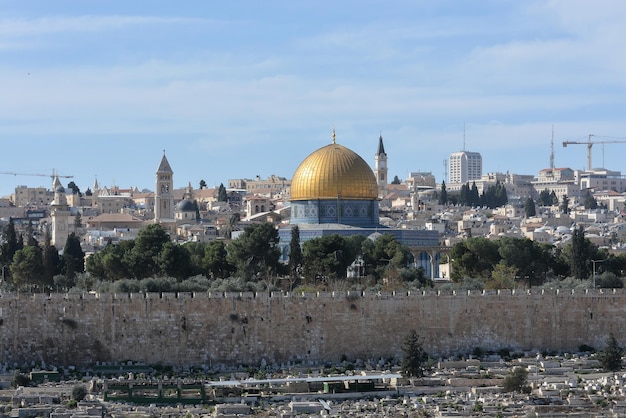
163 196
380 168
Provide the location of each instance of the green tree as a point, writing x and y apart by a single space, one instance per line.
565 204
517 380
9 244
553 198
414 356
502 277
255 253
529 208
494 196
227 230
119 261
27 267
295 253
79 392
396 180
196 254
474 258
580 251
474 197
527 257
30 235
385 254
611 357
78 220
327 257
75 190
20 379
443 196
51 261
222 196
214 261
544 198
73 258
202 184
174 261
113 262
144 256
590 201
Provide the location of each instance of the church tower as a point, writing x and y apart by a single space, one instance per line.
163 197
95 193
380 168
59 215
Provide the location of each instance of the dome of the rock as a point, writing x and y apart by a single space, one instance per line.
333 172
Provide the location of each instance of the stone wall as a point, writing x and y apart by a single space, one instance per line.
245 328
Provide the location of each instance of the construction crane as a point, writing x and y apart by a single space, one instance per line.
53 175
589 144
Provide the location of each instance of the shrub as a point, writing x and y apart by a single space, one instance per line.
609 280
20 379
79 392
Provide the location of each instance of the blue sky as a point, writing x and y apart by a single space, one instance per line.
245 88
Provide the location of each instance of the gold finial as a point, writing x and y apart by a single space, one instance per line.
334 136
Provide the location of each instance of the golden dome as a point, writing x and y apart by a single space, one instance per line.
333 172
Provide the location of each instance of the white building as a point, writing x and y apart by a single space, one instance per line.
465 166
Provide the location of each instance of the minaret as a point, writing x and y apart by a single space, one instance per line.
59 215
163 197
380 167
95 193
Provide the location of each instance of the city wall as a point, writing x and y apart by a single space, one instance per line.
247 328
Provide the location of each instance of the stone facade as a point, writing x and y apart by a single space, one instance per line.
212 329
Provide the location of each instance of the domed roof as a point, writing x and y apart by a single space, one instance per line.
333 172
185 205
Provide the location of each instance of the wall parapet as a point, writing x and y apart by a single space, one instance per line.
400 295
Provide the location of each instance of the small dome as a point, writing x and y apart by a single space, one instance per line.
185 205
333 172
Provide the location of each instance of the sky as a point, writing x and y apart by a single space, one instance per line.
239 89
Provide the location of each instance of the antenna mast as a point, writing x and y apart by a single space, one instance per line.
552 150
463 136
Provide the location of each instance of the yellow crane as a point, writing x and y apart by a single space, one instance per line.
53 175
589 144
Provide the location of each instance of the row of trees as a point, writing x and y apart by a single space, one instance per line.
492 197
507 262
253 257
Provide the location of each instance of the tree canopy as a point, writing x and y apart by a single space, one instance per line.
414 356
